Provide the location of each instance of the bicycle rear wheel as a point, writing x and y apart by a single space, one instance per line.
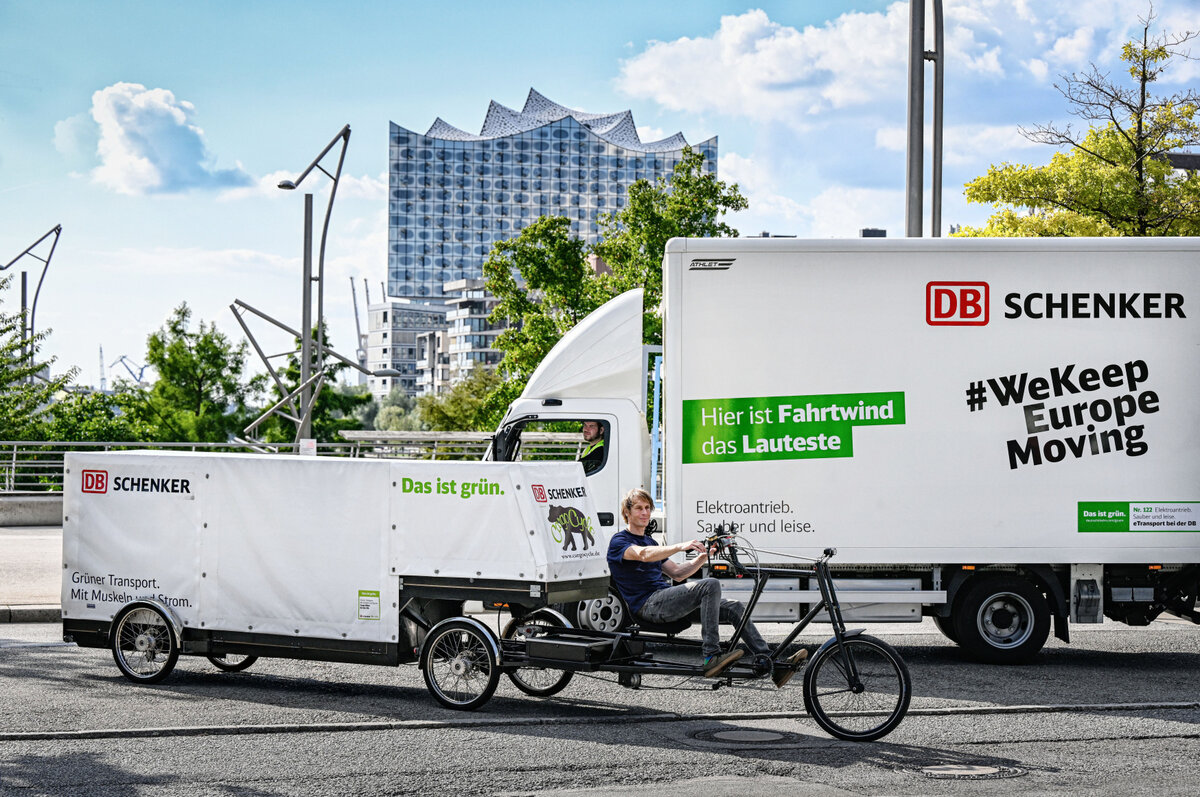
866 710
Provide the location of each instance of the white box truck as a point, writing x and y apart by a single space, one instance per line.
236 556
993 433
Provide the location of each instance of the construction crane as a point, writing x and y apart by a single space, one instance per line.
129 366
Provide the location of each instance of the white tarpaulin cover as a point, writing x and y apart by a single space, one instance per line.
308 546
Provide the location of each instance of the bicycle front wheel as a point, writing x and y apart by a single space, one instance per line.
863 709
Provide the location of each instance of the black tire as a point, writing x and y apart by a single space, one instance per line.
946 626
536 681
232 662
858 714
459 664
1001 619
144 645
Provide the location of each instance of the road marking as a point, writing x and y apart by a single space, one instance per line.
496 722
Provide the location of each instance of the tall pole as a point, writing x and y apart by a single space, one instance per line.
914 182
306 340
939 60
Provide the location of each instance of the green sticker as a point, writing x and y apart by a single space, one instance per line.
783 427
368 604
1139 516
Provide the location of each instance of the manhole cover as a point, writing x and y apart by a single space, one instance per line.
745 736
970 772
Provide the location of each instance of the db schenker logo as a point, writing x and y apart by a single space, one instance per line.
539 493
95 481
957 304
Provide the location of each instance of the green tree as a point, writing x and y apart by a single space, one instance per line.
202 390
26 392
689 205
398 413
545 286
1113 178
462 408
334 411
97 417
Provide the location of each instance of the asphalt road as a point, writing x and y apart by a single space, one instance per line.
1115 712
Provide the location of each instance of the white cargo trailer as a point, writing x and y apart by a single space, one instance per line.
233 556
990 432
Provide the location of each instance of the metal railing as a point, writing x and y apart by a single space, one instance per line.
461 445
37 466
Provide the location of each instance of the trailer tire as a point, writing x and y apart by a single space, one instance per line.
1001 619
232 662
459 661
144 644
537 681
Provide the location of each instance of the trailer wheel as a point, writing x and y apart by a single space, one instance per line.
460 665
1002 619
143 644
537 681
232 662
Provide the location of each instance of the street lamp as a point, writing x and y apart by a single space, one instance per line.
302 400
27 320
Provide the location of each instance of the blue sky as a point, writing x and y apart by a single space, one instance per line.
155 132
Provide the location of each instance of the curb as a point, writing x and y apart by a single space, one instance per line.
38 613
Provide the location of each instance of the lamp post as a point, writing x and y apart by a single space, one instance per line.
27 319
308 395
915 175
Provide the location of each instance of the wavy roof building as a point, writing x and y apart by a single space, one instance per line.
453 194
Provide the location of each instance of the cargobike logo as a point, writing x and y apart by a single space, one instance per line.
566 522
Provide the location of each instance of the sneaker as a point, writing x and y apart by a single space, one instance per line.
716 664
785 671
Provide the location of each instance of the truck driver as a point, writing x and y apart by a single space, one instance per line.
593 450
643 573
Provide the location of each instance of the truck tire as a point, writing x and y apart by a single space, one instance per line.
1001 619
601 614
459 663
946 626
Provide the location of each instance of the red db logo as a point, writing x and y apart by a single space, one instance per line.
539 493
95 481
960 304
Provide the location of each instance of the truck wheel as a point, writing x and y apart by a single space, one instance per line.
946 626
602 614
460 667
143 644
1002 619
232 662
537 681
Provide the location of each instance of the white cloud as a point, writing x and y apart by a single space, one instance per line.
149 144
841 211
1074 50
1038 68
651 133
349 187
757 182
961 144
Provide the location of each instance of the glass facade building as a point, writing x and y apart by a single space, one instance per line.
453 194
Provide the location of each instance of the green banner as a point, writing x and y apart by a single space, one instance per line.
1139 516
783 427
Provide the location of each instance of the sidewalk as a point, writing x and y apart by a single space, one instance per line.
30 574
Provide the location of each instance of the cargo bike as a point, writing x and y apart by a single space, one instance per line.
856 687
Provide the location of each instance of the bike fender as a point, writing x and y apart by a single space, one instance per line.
850 634
484 631
173 621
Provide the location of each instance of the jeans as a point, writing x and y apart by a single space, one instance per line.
704 594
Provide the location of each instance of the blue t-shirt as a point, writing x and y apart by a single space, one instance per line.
636 581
